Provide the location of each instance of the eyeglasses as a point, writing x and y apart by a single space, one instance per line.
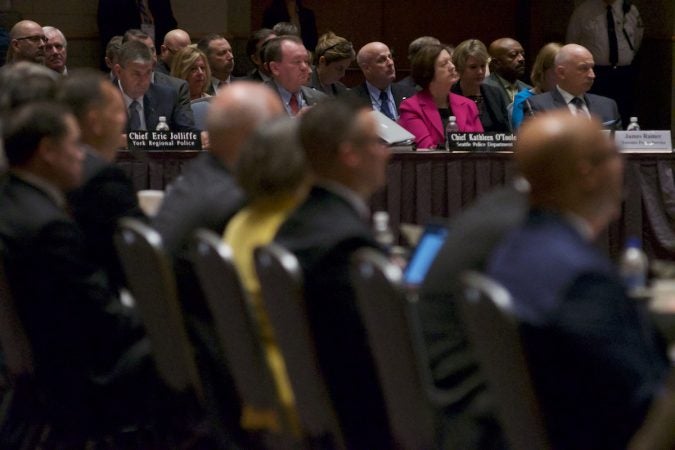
36 38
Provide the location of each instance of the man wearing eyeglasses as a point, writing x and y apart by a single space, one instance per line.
27 43
56 52
174 40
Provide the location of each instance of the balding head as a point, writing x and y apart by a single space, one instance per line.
27 42
174 40
571 166
377 64
235 113
574 69
508 59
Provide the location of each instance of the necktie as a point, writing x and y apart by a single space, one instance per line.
134 117
144 11
611 36
384 105
293 104
579 105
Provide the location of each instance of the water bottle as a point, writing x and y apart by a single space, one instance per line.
383 232
451 127
162 125
634 266
633 125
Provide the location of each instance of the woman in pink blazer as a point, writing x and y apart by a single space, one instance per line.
426 113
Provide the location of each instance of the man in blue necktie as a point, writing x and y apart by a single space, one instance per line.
377 65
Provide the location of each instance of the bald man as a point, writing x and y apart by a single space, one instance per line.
206 194
574 68
507 65
174 40
27 43
379 90
595 362
56 50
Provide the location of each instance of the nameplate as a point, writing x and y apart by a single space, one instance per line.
482 141
644 141
164 140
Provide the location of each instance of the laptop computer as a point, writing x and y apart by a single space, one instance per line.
423 256
391 132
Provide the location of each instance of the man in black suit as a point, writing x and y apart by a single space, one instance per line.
574 68
115 17
255 51
288 61
107 193
349 162
81 336
218 51
379 90
146 101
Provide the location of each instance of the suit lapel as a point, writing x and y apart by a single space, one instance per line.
430 111
558 99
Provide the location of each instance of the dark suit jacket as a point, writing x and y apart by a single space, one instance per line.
164 101
323 233
106 196
493 115
114 17
603 108
333 90
472 237
400 93
77 328
277 12
493 81
311 95
180 86
594 358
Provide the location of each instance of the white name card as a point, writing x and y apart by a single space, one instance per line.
644 141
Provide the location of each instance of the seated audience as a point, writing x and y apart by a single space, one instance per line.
544 79
349 162
288 61
146 101
27 43
220 60
594 358
106 194
470 58
414 47
56 51
426 113
191 65
574 70
379 90
174 40
273 174
333 56
254 50
92 373
507 65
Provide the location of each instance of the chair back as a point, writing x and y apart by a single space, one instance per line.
282 292
388 318
486 310
236 329
199 108
153 286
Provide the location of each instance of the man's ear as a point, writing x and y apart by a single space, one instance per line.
45 150
116 70
273 67
93 122
348 155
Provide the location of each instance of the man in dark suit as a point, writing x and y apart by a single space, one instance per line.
173 41
379 90
594 358
81 336
218 51
288 61
256 54
146 101
107 193
349 162
115 17
574 68
507 65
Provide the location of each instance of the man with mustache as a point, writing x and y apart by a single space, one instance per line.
507 65
56 52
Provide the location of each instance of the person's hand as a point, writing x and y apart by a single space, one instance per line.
205 140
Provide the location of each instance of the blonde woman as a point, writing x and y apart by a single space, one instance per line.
190 64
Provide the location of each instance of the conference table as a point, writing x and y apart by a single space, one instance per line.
429 185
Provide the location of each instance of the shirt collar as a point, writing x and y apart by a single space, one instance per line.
127 99
567 96
45 186
375 92
348 195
